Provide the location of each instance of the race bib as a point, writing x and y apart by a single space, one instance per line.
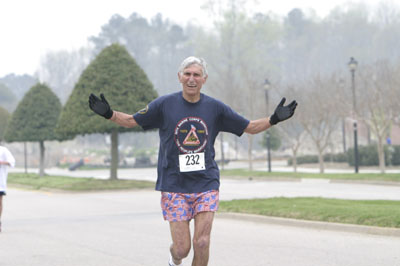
192 162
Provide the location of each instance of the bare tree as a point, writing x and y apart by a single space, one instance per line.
294 135
379 86
318 113
292 130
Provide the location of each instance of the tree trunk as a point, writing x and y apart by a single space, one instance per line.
41 166
25 159
321 161
294 160
114 154
250 149
381 155
236 148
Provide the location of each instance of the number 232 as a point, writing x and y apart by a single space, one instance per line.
192 159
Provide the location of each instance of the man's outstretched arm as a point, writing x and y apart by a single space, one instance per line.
257 126
123 119
280 114
102 108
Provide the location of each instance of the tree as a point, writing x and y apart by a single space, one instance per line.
4 118
317 112
377 102
116 74
35 118
275 139
300 36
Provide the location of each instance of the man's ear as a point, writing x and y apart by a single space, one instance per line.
179 76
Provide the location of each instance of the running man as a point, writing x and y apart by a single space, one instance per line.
188 176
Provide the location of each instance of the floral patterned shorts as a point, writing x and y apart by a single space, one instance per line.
178 207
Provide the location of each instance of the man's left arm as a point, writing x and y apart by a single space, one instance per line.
280 114
257 126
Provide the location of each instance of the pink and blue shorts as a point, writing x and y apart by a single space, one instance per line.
178 207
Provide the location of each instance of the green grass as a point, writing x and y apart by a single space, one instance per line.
259 175
33 181
381 213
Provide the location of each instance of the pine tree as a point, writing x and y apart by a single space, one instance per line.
35 118
126 86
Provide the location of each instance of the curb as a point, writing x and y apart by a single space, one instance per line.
311 180
366 182
361 229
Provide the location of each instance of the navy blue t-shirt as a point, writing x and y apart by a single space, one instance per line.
188 128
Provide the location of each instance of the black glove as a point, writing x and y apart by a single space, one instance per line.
282 112
100 107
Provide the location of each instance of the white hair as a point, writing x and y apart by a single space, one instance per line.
192 60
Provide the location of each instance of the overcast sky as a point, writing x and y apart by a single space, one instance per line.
30 28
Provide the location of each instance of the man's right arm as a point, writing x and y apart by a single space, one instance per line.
123 119
101 107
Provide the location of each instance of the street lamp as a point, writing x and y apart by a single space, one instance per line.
352 67
267 87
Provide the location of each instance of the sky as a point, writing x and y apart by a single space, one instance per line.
31 28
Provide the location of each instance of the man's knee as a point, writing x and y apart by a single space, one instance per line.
202 242
181 250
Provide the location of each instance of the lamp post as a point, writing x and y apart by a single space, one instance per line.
353 66
267 86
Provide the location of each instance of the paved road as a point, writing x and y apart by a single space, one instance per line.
126 228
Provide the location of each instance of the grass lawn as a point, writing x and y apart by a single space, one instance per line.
259 175
33 181
382 213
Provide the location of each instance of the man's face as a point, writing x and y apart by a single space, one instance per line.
192 80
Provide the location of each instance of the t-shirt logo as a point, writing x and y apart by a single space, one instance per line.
191 134
192 139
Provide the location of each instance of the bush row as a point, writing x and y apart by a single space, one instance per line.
368 156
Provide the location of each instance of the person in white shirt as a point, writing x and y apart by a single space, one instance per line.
6 160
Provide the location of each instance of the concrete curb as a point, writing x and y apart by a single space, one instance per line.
312 180
366 182
362 229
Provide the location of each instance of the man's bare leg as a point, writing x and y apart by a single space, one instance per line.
180 233
201 240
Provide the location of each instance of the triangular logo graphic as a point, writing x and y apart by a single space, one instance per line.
192 139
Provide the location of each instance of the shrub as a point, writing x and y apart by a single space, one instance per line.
330 157
368 155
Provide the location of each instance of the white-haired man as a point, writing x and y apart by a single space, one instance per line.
188 176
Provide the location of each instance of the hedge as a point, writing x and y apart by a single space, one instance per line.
368 156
